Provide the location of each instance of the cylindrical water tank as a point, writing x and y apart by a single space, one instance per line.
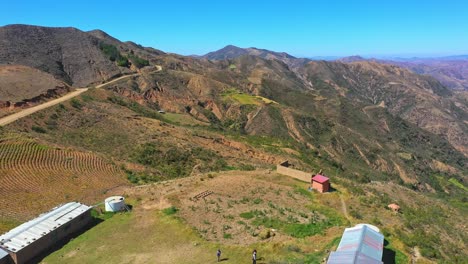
115 204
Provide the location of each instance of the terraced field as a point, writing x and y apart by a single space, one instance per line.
35 178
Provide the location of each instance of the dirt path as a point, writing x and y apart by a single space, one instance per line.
12 118
344 207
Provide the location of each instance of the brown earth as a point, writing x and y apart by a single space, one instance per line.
21 85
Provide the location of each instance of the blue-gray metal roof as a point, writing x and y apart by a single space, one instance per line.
3 253
359 244
25 234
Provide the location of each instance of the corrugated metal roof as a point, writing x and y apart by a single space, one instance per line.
320 178
359 244
351 257
3 253
25 234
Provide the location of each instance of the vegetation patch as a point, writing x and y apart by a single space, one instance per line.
113 54
245 99
137 61
175 162
456 183
170 210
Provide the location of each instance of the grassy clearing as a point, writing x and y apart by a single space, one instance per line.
246 99
458 184
144 237
7 224
182 119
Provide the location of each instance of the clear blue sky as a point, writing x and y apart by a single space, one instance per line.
301 28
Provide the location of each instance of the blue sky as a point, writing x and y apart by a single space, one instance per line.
301 28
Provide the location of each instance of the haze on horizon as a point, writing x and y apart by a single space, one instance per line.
301 28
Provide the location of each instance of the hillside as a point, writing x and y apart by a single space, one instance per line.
71 55
22 86
451 72
382 133
232 52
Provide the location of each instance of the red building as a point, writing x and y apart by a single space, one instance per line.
320 183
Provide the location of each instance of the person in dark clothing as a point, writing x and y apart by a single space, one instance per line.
254 257
218 254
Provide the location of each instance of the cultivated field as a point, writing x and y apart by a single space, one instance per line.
35 178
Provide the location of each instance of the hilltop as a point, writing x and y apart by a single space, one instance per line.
382 133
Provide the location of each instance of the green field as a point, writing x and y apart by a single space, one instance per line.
246 99
159 238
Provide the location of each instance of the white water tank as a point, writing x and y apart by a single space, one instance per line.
115 204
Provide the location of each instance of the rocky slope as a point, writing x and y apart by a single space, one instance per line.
68 54
18 82
364 124
451 73
342 112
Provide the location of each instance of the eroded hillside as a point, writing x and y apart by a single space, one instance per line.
366 125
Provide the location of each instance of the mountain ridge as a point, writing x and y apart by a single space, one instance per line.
382 134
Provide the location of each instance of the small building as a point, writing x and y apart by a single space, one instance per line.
394 207
27 241
360 244
320 183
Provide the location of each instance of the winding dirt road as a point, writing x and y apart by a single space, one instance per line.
13 117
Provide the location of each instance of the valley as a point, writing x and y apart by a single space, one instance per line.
161 128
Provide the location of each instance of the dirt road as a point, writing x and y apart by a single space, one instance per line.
12 118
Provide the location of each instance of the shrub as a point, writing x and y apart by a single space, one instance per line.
76 104
113 54
122 61
137 61
247 215
170 211
257 201
38 129
246 167
265 234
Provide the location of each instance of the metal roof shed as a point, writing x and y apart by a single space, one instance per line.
27 240
360 244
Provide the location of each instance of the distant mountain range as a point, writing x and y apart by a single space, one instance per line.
451 71
340 95
364 122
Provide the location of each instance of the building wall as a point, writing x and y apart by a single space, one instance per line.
300 175
51 239
321 187
6 260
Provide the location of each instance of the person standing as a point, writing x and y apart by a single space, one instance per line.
218 254
254 257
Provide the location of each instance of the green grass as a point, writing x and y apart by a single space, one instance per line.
182 119
7 224
245 99
458 184
157 238
295 229
170 211
247 215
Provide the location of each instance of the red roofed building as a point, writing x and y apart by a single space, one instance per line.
320 183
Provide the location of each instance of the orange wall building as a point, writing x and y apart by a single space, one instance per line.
321 183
